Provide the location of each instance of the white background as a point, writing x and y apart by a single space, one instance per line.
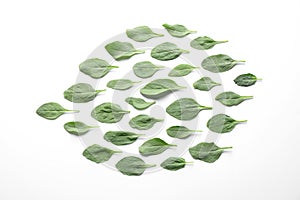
41 45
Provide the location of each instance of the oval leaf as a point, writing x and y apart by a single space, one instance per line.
81 93
143 122
77 128
177 30
231 98
174 163
98 154
132 166
145 69
138 103
108 113
246 80
204 43
121 137
166 51
95 67
121 84
154 146
141 34
122 50
205 84
180 132
181 70
222 123
52 110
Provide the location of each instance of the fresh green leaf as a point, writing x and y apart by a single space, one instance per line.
52 110
77 128
138 103
205 84
95 67
141 34
185 109
167 51
159 88
154 146
121 84
174 163
204 43
181 70
132 166
143 122
121 137
231 98
177 30
98 154
145 69
122 50
222 123
246 80
108 113
180 132
219 63
81 93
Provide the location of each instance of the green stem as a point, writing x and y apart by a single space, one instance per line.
241 121
196 131
247 97
112 67
98 91
205 108
259 79
136 81
140 51
240 61
159 120
93 126
150 165
192 31
159 67
181 87
184 51
124 111
160 35
224 148
222 41
72 111
172 145
117 151
189 163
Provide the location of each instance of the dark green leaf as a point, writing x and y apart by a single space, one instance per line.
205 84
81 93
138 103
219 63
167 51
143 122
174 163
207 152
122 50
77 128
52 110
95 67
246 80
121 137
132 166
180 132
141 34
231 98
181 70
98 154
185 109
108 113
154 146
177 30
121 84
204 43
145 69
222 123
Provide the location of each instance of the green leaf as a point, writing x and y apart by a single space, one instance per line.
77 128
177 30
219 63
138 103
145 69
81 93
143 122
180 132
207 152
121 137
121 84
52 110
174 163
108 113
231 98
222 123
167 51
181 70
142 34
95 67
246 80
205 84
204 43
185 109
122 50
132 166
160 88
98 154
154 146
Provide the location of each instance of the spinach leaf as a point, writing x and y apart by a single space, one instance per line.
132 166
219 63
81 93
185 109
121 137
141 34
143 122
98 154
95 67
246 80
231 98
181 70
174 163
160 88
122 50
222 123
167 51
154 146
204 43
207 152
77 128
108 113
138 103
177 30
205 84
180 132
145 69
121 84
52 110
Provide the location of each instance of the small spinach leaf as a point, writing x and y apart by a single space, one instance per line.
180 132
121 84
108 113
231 98
95 67
222 123
132 166
143 122
81 93
167 51
154 146
141 34
204 43
205 84
174 163
177 30
121 137
52 110
181 70
122 50
246 80
98 154
145 69
138 103
77 128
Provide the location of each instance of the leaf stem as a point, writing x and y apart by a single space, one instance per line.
240 61
184 51
159 120
189 163
241 121
150 165
197 131
191 31
124 111
136 81
140 51
222 41
72 111
205 107
247 97
172 145
98 91
224 148
118 151
112 67
159 35
93 126
259 79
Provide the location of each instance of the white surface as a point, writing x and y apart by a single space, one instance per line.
41 45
